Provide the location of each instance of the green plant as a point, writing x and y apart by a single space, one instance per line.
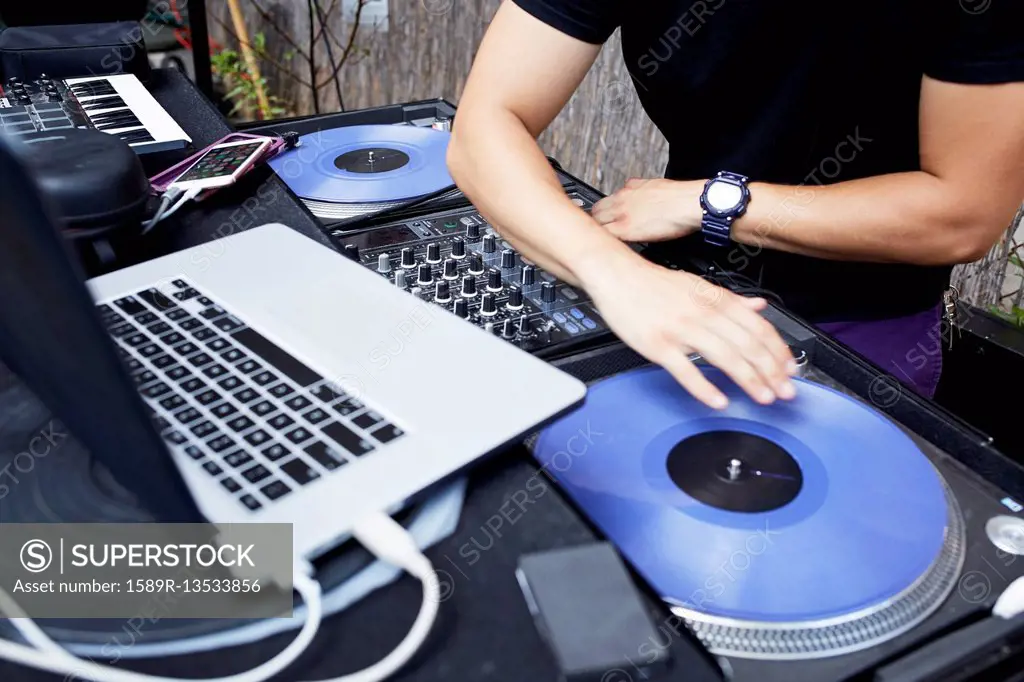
229 65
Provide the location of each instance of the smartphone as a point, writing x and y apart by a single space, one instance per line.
221 165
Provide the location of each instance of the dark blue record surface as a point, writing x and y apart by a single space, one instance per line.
859 522
335 165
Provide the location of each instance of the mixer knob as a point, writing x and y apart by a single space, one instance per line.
408 258
488 305
494 279
400 279
490 244
469 286
547 292
433 252
473 232
384 263
458 248
352 251
515 298
53 96
462 308
442 294
524 327
24 99
508 259
476 263
529 275
508 329
426 275
451 269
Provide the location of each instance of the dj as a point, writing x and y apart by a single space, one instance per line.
864 153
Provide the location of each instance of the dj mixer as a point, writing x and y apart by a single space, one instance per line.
456 260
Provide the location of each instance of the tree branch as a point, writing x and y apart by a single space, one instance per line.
261 53
265 15
351 42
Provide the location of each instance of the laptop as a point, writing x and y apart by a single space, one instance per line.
264 376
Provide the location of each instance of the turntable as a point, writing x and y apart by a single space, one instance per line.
808 539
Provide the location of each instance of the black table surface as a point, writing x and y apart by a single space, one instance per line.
484 629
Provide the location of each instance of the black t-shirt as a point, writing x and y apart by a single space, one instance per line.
801 92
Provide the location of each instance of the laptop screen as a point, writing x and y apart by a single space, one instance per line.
52 338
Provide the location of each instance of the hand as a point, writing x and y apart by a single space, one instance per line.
667 315
651 210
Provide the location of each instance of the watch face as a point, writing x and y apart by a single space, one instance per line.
724 196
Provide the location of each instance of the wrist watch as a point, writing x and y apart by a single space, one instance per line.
725 198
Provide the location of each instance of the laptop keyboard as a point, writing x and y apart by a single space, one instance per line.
248 413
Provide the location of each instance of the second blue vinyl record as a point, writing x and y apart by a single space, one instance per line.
366 164
805 510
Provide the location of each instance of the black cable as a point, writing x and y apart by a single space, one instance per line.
330 53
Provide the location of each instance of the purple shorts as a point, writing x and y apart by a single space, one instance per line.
907 348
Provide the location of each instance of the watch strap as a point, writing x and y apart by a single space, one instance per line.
716 230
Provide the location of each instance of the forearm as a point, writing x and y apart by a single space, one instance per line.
907 218
497 163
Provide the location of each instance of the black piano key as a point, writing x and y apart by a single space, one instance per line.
120 121
104 103
91 88
135 136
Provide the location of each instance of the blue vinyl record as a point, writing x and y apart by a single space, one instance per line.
810 509
366 164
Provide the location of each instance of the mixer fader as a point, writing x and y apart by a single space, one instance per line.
456 260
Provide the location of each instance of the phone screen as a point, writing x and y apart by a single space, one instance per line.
219 161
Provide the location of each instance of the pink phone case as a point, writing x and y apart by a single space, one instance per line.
160 182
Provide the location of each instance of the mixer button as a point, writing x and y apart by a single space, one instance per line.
384 263
458 248
401 279
508 259
494 279
408 258
490 244
488 305
426 274
515 298
547 292
508 329
451 269
529 275
442 293
524 327
433 252
462 308
469 286
476 263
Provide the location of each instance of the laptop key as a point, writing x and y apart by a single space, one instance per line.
348 406
367 420
135 339
149 350
204 301
275 490
214 371
326 456
275 452
256 474
325 393
347 438
176 437
156 390
176 314
298 435
213 312
146 319
241 424
156 299
180 284
130 305
281 421
258 437
299 471
387 433
187 348
218 344
204 334
212 468
230 484
233 355
187 415
246 395
192 385
299 402
200 360
172 339
162 361
316 416
238 459
144 377
121 330
228 324
263 408
273 355
282 390
230 384
249 366
208 397
225 410
186 295
264 378
203 429
190 324
172 403
161 424
159 328
194 452
220 443
132 364
177 373
250 502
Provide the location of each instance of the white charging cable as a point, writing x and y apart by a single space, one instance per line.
379 533
179 197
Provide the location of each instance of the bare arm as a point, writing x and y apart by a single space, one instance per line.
970 184
524 73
